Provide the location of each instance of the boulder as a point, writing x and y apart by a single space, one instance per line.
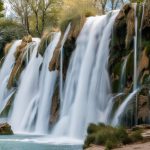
5 129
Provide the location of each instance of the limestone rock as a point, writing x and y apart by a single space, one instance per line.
55 106
5 129
19 63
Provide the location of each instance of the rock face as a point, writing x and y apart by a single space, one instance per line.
5 129
121 61
46 39
19 62
55 105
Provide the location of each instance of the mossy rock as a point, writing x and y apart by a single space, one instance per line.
130 65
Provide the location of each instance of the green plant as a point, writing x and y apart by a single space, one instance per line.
89 140
9 31
92 128
136 136
122 135
110 137
111 144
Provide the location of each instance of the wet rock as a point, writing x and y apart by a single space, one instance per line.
143 112
144 61
69 46
55 106
55 61
46 39
19 62
4 113
7 47
5 129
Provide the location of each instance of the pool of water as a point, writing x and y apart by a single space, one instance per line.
24 142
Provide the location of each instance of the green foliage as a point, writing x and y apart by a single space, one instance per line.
136 136
110 137
73 11
110 144
90 139
1 8
92 128
10 30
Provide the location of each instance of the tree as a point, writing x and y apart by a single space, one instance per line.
21 9
1 8
37 10
107 5
40 9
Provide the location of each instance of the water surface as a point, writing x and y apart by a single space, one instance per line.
29 142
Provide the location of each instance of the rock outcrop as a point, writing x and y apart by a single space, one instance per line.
46 39
19 61
5 129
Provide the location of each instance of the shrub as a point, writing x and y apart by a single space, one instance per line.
89 140
110 137
122 135
9 31
111 144
104 136
136 136
92 128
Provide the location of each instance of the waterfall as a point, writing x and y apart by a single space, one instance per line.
61 61
46 88
121 109
86 95
87 88
31 108
123 73
26 90
135 51
5 72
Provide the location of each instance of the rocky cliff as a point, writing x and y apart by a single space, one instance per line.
121 62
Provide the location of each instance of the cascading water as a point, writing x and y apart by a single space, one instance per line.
61 60
46 88
121 109
86 97
27 88
32 103
5 72
135 53
123 73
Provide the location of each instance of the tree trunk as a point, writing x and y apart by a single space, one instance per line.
43 22
37 23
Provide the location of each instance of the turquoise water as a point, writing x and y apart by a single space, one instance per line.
17 142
